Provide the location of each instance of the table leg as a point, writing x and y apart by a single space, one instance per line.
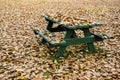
61 51
70 34
87 33
91 47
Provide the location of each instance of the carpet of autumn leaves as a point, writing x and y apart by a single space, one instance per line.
22 58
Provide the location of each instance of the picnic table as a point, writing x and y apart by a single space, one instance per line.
70 36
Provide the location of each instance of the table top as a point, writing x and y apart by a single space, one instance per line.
81 26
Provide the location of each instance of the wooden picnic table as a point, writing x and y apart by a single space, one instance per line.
70 37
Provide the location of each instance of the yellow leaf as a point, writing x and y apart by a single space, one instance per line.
82 66
21 77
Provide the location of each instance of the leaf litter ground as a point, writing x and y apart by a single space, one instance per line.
21 57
